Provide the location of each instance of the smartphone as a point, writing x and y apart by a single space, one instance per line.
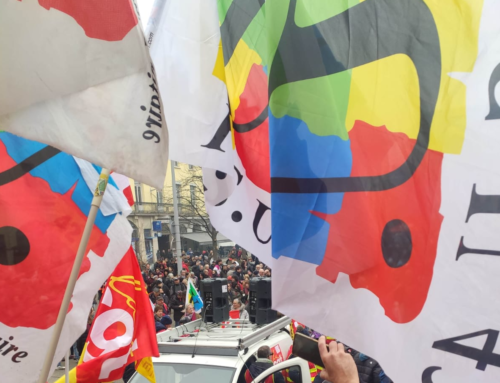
307 348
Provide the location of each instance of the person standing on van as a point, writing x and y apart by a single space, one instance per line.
238 306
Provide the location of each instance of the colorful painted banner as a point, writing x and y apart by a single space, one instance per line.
383 121
44 202
78 76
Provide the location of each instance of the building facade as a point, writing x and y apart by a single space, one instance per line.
153 212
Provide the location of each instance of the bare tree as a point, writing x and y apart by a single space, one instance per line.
191 199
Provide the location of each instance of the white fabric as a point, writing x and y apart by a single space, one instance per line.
79 94
185 39
185 42
113 201
244 199
34 341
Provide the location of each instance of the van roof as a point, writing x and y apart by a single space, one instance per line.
221 344
215 360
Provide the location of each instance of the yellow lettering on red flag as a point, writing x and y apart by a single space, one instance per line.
146 369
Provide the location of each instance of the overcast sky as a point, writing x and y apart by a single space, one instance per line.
145 7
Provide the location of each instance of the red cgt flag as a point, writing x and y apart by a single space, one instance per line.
123 330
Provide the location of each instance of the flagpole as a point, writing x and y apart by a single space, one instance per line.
176 221
66 366
80 255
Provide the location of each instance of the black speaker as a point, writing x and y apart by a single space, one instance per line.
260 301
215 299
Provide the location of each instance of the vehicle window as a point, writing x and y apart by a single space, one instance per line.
287 375
248 362
188 373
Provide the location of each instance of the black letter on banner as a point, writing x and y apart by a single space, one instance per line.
485 204
462 249
483 357
494 107
152 122
427 374
256 221
480 204
220 134
368 32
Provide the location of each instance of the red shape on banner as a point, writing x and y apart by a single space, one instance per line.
53 228
109 20
386 241
253 145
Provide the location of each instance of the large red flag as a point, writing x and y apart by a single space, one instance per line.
123 330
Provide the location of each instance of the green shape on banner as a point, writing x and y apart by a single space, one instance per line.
321 103
311 12
256 35
222 7
276 14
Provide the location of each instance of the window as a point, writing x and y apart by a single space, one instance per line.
196 228
138 192
191 167
188 373
176 164
159 196
192 190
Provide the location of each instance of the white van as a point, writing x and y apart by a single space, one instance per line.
221 353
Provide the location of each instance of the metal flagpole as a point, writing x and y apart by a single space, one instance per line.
66 366
80 254
176 221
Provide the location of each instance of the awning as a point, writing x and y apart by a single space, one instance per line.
204 239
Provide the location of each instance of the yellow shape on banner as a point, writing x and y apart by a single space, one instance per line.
458 28
145 368
219 65
72 377
237 71
386 92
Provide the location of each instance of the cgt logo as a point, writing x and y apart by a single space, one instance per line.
112 334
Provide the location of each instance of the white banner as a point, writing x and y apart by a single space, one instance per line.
184 37
80 79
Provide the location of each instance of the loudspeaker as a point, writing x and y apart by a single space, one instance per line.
215 299
260 301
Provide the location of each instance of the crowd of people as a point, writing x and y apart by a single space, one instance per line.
167 291
167 285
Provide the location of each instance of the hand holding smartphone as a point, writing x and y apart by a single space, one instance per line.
307 348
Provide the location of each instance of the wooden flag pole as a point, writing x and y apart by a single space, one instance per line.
80 255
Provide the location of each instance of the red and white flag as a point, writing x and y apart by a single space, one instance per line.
123 331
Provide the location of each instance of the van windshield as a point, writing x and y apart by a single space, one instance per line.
188 373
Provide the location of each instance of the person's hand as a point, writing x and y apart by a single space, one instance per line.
339 366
